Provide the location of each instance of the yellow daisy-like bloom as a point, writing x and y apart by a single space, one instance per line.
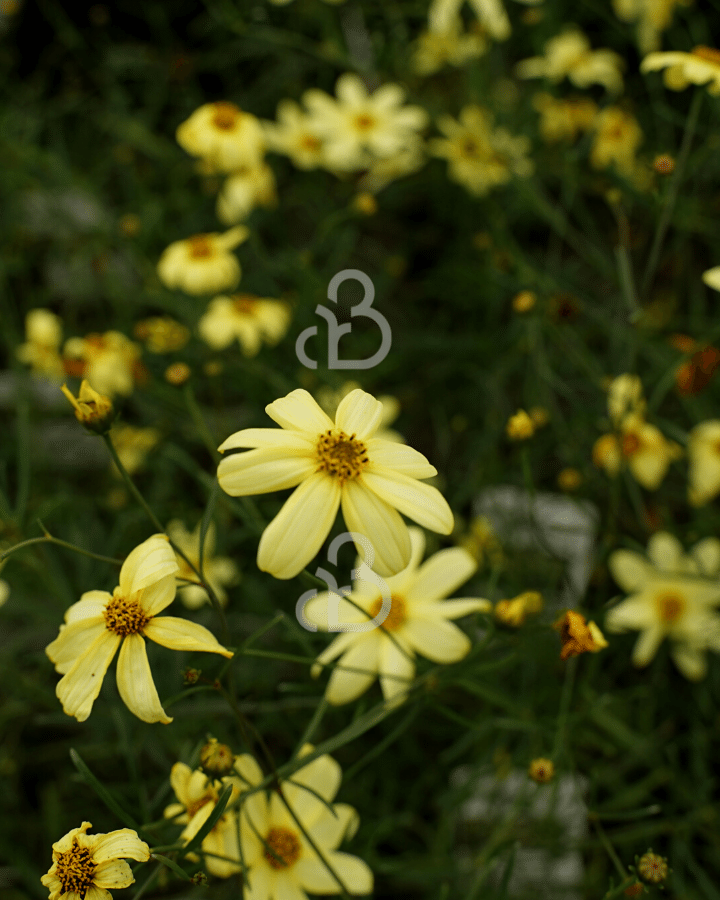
203 263
332 464
282 863
247 319
490 13
162 334
197 795
625 395
330 399
132 446
703 450
382 172
712 278
100 623
480 157
86 865
217 570
617 136
223 136
671 595
417 622
243 190
642 447
563 119
700 66
92 410
652 16
514 612
296 135
449 45
109 361
43 336
358 126
568 55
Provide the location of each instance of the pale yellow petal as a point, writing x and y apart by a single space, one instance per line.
323 776
248 769
298 411
712 278
367 513
80 686
629 569
314 876
181 634
706 554
332 651
345 686
455 609
90 605
114 873
135 682
74 639
440 575
418 501
261 471
316 610
93 893
399 457
397 670
147 563
690 661
436 639
179 780
635 612
647 645
665 552
270 439
156 597
359 413
331 828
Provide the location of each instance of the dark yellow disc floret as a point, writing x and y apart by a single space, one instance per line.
124 616
341 456
75 869
285 845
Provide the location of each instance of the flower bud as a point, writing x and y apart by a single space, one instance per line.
216 759
652 868
541 770
94 411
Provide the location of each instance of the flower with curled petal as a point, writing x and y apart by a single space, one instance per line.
568 55
100 623
417 622
700 66
332 465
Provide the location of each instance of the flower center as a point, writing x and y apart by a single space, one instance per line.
630 444
310 142
707 53
245 304
200 247
342 456
395 617
123 616
226 115
75 869
470 147
364 122
285 845
670 607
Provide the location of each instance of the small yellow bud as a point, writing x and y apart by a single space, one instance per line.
365 203
541 770
520 426
569 480
540 416
524 301
652 868
514 612
664 164
94 411
177 373
213 367
216 759
191 676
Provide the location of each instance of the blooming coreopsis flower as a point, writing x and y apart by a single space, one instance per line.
282 863
578 636
703 451
563 119
514 612
417 622
100 623
480 157
332 464
162 334
43 336
296 135
671 595
92 410
711 277
244 318
642 447
483 544
358 126
617 136
223 136
569 55
447 46
491 16
652 16
625 396
700 66
203 263
330 399
86 865
243 190
109 361
217 570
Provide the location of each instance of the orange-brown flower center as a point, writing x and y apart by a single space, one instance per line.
395 617
670 607
341 456
196 805
285 845
200 246
310 142
364 122
630 444
124 616
226 115
245 304
710 54
470 147
75 869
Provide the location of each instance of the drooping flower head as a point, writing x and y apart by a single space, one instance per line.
203 263
223 136
700 66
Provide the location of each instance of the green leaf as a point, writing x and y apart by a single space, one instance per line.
181 873
103 793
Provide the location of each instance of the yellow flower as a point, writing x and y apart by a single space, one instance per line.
617 136
712 278
490 13
524 301
100 623
578 636
162 334
382 172
541 770
625 396
86 865
520 427
514 612
482 543
92 410
218 571
652 16
245 318
132 446
295 134
703 450
109 361
243 190
671 595
700 66
563 119
652 868
332 464
358 126
642 446
43 334
480 157
449 45
203 263
197 795
330 399
569 55
280 859
223 136
569 479
417 622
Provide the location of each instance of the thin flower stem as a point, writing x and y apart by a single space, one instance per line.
200 422
49 539
622 871
673 191
312 725
564 706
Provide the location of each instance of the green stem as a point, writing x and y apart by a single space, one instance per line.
49 539
564 706
200 423
622 871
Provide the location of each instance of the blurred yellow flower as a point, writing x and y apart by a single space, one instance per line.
700 66
541 770
563 119
245 318
203 263
520 427
162 334
417 622
671 595
218 570
569 55
132 446
281 862
43 336
295 134
703 451
578 636
480 157
569 479
642 447
482 543
490 13
109 361
177 373
652 16
625 396
100 623
359 126
524 301
711 277
616 138
92 410
329 400
223 136
449 45
332 464
514 612
86 865
382 172
243 190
